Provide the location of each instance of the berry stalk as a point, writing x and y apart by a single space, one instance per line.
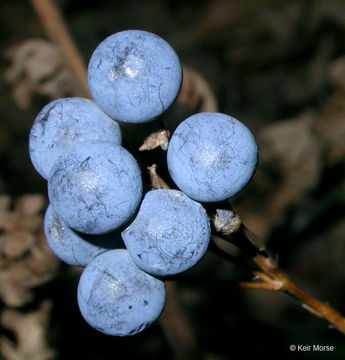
271 276
175 325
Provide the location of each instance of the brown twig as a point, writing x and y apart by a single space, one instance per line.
177 328
272 278
195 89
56 29
156 181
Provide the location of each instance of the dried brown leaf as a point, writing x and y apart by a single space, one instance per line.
291 149
25 258
5 201
37 67
290 166
16 244
330 125
30 334
30 204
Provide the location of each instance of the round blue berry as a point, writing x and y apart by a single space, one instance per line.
95 187
116 297
134 76
74 248
63 123
170 234
212 156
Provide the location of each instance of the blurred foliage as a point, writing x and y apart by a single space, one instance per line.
278 66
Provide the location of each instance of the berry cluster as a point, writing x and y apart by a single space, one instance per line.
95 186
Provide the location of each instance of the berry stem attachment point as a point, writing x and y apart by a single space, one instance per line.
158 138
271 276
156 181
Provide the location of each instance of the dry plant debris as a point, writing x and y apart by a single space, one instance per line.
37 67
30 333
25 258
196 92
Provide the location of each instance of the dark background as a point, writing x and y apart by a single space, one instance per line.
279 67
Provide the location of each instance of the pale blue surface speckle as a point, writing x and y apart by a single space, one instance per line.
74 248
211 156
170 234
63 123
134 76
116 297
95 187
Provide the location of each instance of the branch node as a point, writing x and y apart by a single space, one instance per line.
226 221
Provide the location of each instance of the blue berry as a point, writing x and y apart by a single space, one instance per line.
211 156
116 297
74 248
170 234
65 122
95 188
134 76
